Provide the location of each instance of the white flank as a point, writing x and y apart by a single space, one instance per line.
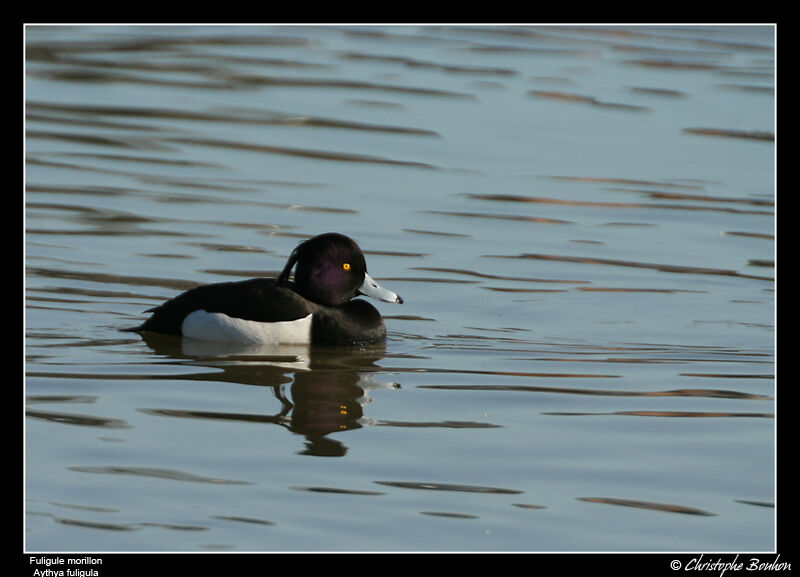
219 327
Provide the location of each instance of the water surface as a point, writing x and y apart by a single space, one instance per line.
580 221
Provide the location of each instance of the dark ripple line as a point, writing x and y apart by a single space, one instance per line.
126 526
158 473
692 185
81 420
240 519
336 490
439 424
215 415
449 515
514 217
652 505
679 414
98 525
636 205
46 49
224 115
503 373
710 393
633 264
347 84
580 98
727 133
497 277
448 487
416 63
301 152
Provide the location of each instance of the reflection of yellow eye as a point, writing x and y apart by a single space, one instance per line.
346 266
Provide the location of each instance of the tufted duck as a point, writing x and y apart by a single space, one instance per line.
315 308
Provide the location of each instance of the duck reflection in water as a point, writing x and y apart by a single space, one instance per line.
329 387
328 402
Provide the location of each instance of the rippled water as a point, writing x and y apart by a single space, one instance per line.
580 221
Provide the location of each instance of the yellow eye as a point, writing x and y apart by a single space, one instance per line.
346 266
